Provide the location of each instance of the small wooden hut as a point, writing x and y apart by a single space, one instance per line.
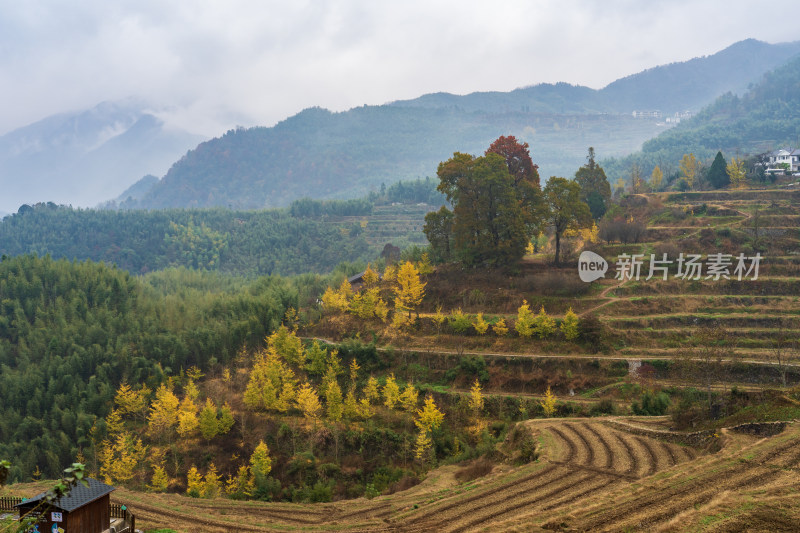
83 510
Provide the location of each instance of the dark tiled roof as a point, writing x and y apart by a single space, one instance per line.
79 496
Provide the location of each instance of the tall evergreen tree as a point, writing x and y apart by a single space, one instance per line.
595 189
718 174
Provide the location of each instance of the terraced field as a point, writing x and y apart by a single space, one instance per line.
592 475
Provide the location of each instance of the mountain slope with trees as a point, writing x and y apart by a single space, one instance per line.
348 154
765 118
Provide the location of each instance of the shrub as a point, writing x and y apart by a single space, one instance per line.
478 468
651 405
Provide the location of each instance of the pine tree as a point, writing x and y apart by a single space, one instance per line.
371 278
549 403
410 290
717 175
354 368
525 320
544 325
569 325
439 318
391 392
208 424
499 328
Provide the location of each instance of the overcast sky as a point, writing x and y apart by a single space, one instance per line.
222 63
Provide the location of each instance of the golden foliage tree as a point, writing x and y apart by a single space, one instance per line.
544 325
689 168
119 458
260 461
160 481
391 392
211 482
333 400
656 178
569 325
163 415
410 289
209 427
525 320
549 403
371 391
499 328
308 402
737 173
480 325
271 386
287 345
429 417
476 398
240 487
131 402
187 417
194 483
409 398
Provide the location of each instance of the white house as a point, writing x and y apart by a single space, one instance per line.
780 158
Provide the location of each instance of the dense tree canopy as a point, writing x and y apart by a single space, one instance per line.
496 205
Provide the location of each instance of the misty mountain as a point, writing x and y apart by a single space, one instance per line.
88 156
676 87
321 154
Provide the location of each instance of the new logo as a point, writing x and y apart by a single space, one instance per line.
591 266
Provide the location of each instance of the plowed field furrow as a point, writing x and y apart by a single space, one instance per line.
424 512
588 449
689 453
498 498
572 449
528 500
669 455
701 496
792 460
779 450
609 455
572 497
654 498
191 521
652 460
379 511
630 457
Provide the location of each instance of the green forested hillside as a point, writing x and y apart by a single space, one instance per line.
239 242
70 332
767 117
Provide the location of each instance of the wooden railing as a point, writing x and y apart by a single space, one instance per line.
118 510
7 503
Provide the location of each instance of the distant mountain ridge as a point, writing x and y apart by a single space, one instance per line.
671 88
320 154
88 156
764 118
